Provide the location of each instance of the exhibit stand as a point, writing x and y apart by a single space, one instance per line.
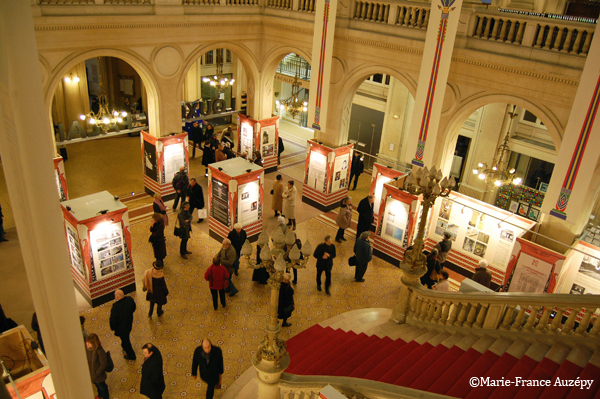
61 180
162 157
326 175
99 242
29 368
236 195
396 224
479 231
259 135
581 274
380 176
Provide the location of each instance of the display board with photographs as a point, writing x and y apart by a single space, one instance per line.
379 182
592 236
395 222
317 172
530 275
61 192
150 164
248 203
267 141
174 158
247 139
108 250
219 202
75 250
340 172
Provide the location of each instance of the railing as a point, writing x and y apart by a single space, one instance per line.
306 5
412 16
517 312
242 2
201 2
281 4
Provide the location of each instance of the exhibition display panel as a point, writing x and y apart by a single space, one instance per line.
326 175
581 274
99 243
479 231
396 224
61 180
259 135
380 176
162 157
236 195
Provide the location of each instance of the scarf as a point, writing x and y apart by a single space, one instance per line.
149 275
163 208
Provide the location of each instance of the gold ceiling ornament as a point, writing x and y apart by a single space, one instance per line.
219 81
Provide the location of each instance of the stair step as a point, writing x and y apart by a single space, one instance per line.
518 348
402 331
589 372
409 360
377 358
467 342
500 346
328 336
461 387
426 336
316 361
355 362
350 354
498 371
435 371
438 339
567 371
296 343
483 344
414 334
376 373
543 371
522 368
420 366
452 340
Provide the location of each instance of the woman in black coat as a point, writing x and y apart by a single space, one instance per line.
260 275
156 287
157 239
286 300
152 384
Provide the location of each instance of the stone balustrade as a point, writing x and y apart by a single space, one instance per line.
401 14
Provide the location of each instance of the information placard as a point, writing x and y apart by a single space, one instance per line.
108 252
75 250
340 172
248 197
381 180
267 141
219 208
395 222
317 171
247 139
174 158
150 164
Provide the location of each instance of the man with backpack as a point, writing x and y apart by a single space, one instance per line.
180 184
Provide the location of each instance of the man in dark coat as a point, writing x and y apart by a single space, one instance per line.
364 254
209 359
237 236
365 214
482 275
286 300
196 197
280 149
432 264
196 134
180 184
358 166
324 253
121 321
152 383
2 226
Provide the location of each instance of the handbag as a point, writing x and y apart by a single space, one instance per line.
110 365
202 213
179 231
271 192
352 260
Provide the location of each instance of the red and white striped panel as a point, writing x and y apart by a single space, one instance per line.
254 228
270 162
107 286
80 281
388 248
217 227
324 199
151 184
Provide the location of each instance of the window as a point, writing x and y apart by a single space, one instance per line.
531 119
208 58
228 56
379 78
533 171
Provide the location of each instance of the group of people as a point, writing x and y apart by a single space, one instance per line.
284 200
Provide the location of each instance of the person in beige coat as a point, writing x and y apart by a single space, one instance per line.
277 204
289 204
344 218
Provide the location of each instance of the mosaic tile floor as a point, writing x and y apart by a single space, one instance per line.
237 329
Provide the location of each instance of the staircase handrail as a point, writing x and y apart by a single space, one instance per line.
292 386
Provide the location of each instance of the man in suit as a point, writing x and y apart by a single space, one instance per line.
356 168
209 359
180 184
365 215
324 253
121 321
196 198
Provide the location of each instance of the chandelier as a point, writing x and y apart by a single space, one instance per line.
293 105
218 81
103 118
499 174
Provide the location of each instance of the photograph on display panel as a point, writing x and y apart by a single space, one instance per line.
174 158
395 221
107 249
248 202
75 250
317 171
268 140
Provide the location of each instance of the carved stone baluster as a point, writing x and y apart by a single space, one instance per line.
409 10
479 29
549 38
507 317
520 32
413 19
357 10
559 38
503 30
540 36
462 315
596 329
369 15
554 326
453 314
585 323
386 13
586 44
418 306
531 320
542 326
380 13
516 326
567 46
497 23
488 26
427 12
445 311
431 311
481 316
286 395
438 312
373 14
511 33
364 10
471 317
567 328
424 309
578 39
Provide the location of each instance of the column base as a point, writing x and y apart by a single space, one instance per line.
268 374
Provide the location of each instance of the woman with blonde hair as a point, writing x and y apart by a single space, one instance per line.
97 361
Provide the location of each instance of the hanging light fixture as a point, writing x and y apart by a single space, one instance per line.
499 174
71 78
293 105
103 118
219 81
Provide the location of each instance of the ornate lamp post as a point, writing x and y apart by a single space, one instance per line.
271 359
431 185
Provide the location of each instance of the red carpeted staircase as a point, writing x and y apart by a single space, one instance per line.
444 363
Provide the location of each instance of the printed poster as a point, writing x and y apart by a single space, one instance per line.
340 172
317 171
75 250
108 249
248 196
267 141
247 139
395 222
379 182
174 158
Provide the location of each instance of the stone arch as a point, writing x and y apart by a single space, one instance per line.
443 145
141 66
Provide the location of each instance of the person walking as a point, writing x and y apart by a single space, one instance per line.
277 191
444 247
196 198
208 151
155 286
227 255
180 184
218 278
185 220
364 254
97 361
196 136
159 207
324 253
344 218
121 321
432 265
280 149
286 300
2 238
365 214
357 167
237 236
157 237
289 203
482 275
209 360
152 383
